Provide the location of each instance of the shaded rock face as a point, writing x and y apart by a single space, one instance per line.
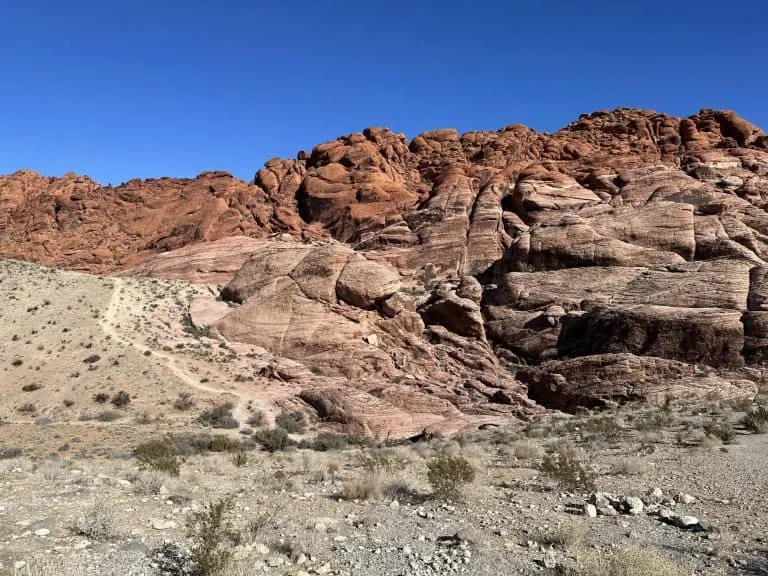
598 263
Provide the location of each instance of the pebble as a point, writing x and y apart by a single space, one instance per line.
42 532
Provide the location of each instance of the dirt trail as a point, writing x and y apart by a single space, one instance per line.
113 317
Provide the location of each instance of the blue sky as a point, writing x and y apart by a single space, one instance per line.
143 88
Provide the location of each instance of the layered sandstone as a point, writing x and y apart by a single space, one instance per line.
599 264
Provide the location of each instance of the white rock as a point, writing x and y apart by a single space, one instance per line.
656 496
394 504
634 505
590 511
685 521
42 532
275 561
685 499
159 524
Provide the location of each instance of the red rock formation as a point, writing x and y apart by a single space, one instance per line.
627 234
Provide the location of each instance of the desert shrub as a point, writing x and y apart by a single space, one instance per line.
327 441
568 536
100 397
92 359
604 428
211 534
448 475
108 416
527 449
27 408
264 519
723 431
273 439
149 482
184 402
363 487
219 417
8 453
97 523
291 422
31 387
257 419
17 362
379 461
239 458
121 399
566 468
653 421
68 402
756 420
629 562
162 454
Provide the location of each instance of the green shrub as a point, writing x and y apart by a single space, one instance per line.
121 399
160 454
239 458
723 431
219 417
184 402
566 468
273 439
257 419
291 422
326 441
211 534
448 474
756 420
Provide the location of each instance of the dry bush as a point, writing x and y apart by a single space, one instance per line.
46 566
627 466
630 562
150 482
97 523
50 470
569 536
363 487
566 468
526 450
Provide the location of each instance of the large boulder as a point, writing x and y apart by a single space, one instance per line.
613 379
698 335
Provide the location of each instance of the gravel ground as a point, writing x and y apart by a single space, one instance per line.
512 519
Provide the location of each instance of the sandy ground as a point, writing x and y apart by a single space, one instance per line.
65 337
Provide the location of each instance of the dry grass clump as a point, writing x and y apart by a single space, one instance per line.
527 450
627 466
566 468
97 523
569 536
364 487
630 562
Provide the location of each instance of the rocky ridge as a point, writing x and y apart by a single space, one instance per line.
456 278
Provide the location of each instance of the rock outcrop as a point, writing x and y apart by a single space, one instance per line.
601 263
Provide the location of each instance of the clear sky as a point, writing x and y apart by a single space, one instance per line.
139 88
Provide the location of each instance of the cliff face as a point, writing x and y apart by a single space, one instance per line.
609 258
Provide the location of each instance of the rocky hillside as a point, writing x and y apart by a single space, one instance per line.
490 273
